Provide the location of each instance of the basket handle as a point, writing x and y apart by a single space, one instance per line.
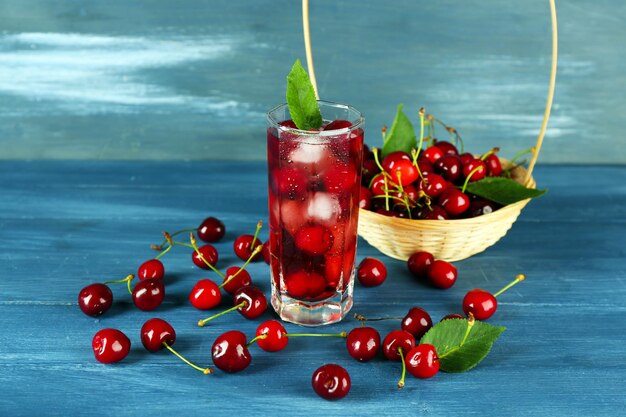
546 113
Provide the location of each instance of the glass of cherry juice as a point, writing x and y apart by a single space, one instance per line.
314 183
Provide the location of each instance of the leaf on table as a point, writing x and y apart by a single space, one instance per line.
401 136
447 336
303 106
502 190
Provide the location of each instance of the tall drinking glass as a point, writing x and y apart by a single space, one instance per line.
314 184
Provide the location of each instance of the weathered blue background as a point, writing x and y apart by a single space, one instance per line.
157 79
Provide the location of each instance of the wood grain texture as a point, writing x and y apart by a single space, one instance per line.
66 224
155 79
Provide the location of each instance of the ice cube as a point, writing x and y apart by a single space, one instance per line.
323 208
313 158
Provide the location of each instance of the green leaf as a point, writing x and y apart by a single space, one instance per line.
502 190
303 107
447 336
401 136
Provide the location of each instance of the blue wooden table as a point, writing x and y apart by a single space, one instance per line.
66 224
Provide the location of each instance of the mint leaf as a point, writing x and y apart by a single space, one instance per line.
447 336
303 107
502 190
401 136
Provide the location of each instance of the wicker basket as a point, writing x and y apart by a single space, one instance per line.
450 240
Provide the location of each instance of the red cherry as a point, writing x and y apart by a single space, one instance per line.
241 279
148 294
205 295
253 300
331 382
288 123
369 170
337 124
363 343
365 198
454 201
481 206
211 230
275 333
339 178
314 239
209 253
466 157
95 299
417 322
432 185
289 182
266 252
450 167
151 269
230 352
433 153
371 272
452 316
243 247
479 166
395 340
400 166
441 274
424 166
446 147
494 167
482 304
303 284
422 361
155 332
434 213
419 263
110 346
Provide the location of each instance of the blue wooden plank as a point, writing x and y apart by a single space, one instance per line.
121 80
65 224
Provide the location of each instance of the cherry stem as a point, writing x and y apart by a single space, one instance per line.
127 280
469 177
261 336
401 381
194 245
252 255
470 325
363 318
488 154
259 225
522 153
414 155
168 238
342 334
201 323
419 146
519 278
205 371
383 132
160 247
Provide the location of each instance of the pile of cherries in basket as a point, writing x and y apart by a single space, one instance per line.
427 184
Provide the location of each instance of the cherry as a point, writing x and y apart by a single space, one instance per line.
432 185
363 343
246 245
382 184
466 157
337 124
371 272
365 198
441 274
481 206
230 352
211 230
417 322
422 361
369 170
210 255
494 167
482 304
157 334
450 167
152 268
400 166
419 262
314 239
446 147
205 295
290 182
478 167
331 382
289 123
435 212
249 301
339 178
266 252
433 153
275 336
95 299
397 341
235 279
148 294
110 345
305 284
452 316
424 166
454 201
